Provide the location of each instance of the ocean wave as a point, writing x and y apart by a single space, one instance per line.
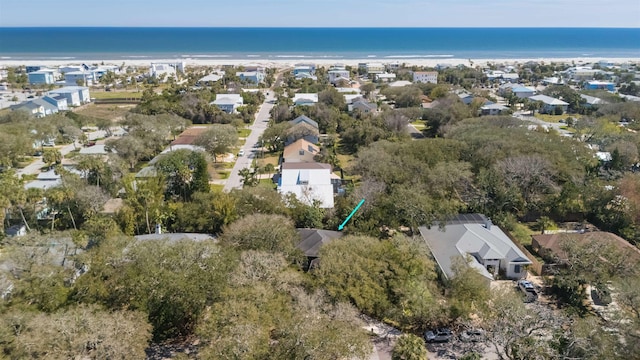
62 57
254 56
135 56
417 56
291 56
206 56
5 57
372 56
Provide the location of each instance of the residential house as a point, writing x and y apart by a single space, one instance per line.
303 75
312 240
518 90
32 68
75 95
600 85
592 101
45 180
385 77
549 104
58 101
210 79
72 68
303 127
551 246
255 77
304 69
466 98
228 103
30 107
305 99
350 98
16 230
374 68
49 109
425 77
162 71
400 83
472 236
309 182
493 109
581 73
363 106
83 77
43 76
300 150
307 66
337 73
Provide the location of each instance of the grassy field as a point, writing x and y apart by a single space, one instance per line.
555 118
269 159
116 94
267 183
419 124
216 187
109 112
243 133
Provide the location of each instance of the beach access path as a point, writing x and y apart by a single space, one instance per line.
259 126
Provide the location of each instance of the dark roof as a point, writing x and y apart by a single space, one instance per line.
303 119
553 242
305 166
313 239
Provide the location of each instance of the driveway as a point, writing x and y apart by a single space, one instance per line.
259 126
548 125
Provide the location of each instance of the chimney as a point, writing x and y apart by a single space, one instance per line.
158 229
488 223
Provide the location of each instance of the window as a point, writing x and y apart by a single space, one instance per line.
301 152
517 268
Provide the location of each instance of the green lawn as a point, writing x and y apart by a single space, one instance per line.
555 118
267 183
243 133
104 111
116 94
223 174
216 187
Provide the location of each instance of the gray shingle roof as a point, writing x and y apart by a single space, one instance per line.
313 239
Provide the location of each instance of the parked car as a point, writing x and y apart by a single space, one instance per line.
472 335
438 335
528 289
241 152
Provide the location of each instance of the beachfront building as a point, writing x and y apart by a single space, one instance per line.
493 109
75 95
42 77
304 69
581 73
211 79
255 77
430 77
600 85
228 103
550 105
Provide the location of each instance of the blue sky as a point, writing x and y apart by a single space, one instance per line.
322 13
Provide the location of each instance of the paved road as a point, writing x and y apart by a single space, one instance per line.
259 125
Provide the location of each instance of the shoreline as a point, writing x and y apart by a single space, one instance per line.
323 62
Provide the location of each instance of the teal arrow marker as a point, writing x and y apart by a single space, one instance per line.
350 215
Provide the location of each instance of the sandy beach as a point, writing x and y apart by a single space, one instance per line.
285 63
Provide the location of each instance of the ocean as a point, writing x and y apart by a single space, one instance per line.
316 43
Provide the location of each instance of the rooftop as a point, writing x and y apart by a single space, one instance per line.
305 166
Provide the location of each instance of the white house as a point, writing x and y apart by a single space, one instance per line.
42 76
305 99
309 182
58 100
425 77
75 95
338 72
255 77
550 104
385 77
473 236
493 109
163 70
228 103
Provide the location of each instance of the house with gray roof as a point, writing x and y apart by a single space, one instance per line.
549 104
473 236
311 240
